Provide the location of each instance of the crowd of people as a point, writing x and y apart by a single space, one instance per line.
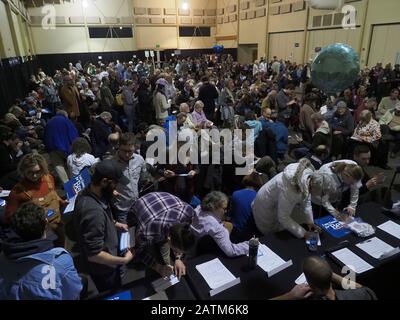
310 153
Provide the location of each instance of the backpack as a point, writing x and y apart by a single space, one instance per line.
119 99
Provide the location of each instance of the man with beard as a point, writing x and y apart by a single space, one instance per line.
96 229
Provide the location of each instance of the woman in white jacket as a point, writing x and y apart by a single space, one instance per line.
284 203
341 176
80 157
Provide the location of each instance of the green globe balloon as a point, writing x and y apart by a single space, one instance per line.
335 68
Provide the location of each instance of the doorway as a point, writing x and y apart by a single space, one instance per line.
247 53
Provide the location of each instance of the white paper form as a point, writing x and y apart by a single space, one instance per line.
157 297
376 247
215 273
71 205
270 262
163 284
352 260
127 240
301 279
5 193
391 228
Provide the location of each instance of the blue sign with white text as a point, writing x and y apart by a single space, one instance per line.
77 184
334 227
125 295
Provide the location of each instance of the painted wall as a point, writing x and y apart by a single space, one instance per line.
228 28
7 45
289 46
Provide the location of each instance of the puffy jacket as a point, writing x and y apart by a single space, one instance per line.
280 206
344 123
35 271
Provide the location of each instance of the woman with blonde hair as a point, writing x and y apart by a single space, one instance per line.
342 176
37 186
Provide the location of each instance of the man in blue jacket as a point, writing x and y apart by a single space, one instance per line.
59 134
31 268
281 133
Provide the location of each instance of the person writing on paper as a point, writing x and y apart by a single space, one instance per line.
163 226
209 221
284 202
96 229
342 176
320 284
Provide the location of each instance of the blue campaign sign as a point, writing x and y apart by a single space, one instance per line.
77 184
125 295
334 227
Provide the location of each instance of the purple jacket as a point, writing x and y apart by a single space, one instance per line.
204 223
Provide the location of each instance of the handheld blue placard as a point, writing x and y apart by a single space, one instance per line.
334 227
125 295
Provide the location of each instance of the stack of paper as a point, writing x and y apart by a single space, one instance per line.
352 261
163 284
377 248
270 262
391 228
217 276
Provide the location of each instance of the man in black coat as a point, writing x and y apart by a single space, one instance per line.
207 94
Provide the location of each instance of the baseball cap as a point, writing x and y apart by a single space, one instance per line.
111 170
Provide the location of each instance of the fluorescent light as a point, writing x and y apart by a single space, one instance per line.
185 5
85 4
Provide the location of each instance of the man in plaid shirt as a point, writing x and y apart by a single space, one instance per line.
163 224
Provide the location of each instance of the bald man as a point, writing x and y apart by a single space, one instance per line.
320 278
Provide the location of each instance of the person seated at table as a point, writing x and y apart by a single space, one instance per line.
209 221
241 213
320 284
31 268
284 203
372 189
341 177
163 225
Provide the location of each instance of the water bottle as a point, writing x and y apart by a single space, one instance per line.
253 252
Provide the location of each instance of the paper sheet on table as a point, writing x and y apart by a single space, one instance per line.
301 279
163 284
352 260
5 193
375 247
270 262
158 296
215 273
71 205
391 228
